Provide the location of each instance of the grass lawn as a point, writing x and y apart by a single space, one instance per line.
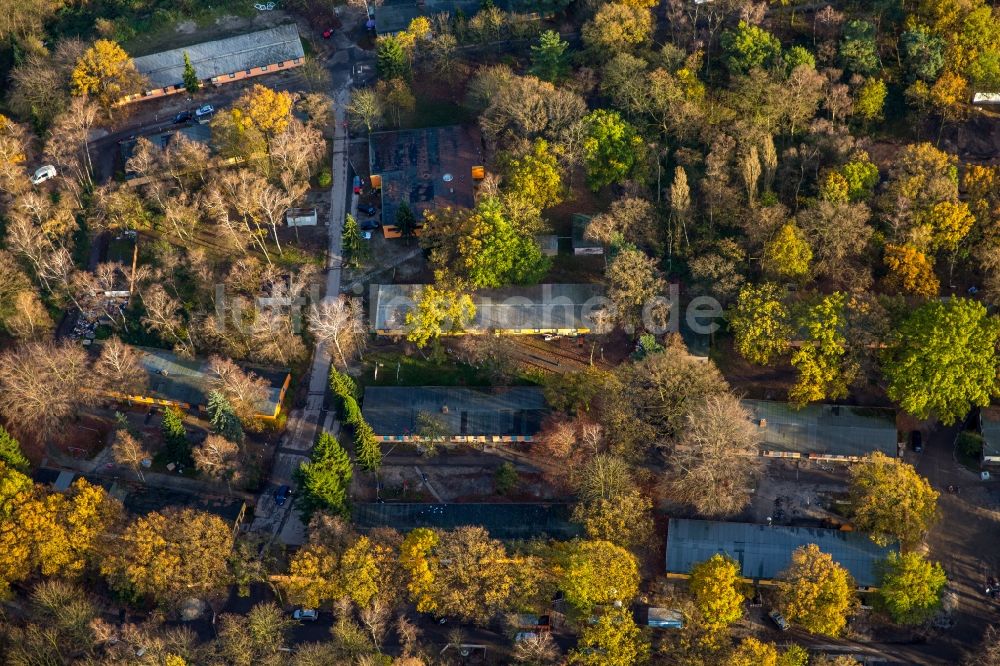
969 450
436 112
417 371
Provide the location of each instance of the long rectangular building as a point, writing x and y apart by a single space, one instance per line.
498 414
823 432
764 551
221 61
544 308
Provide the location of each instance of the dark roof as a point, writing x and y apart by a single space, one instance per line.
541 306
188 380
223 56
764 551
517 410
428 168
503 521
840 430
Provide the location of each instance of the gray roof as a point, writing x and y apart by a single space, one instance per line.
763 551
188 380
223 56
989 423
503 521
838 430
517 410
541 306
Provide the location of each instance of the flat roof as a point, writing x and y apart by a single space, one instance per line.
428 168
223 56
839 430
764 551
503 521
172 377
540 306
512 411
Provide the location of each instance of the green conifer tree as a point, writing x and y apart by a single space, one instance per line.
191 81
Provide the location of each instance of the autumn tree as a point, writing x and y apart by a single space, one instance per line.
259 637
760 323
483 246
815 592
633 283
910 271
44 384
611 507
718 591
911 587
597 573
616 27
824 368
788 254
890 501
753 652
170 555
717 457
612 148
629 220
325 479
340 322
41 84
438 311
106 73
535 176
942 360
366 110
612 640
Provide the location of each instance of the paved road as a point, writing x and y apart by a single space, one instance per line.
965 538
303 424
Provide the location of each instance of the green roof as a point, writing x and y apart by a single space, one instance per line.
764 551
824 430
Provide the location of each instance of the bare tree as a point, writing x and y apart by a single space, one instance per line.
246 391
298 149
68 146
163 317
537 649
340 322
29 319
118 369
716 459
409 634
988 653
375 617
217 458
43 384
127 451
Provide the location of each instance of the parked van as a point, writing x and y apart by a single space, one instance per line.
43 174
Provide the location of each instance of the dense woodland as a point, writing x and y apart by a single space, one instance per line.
805 165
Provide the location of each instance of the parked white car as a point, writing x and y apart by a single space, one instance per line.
305 615
42 174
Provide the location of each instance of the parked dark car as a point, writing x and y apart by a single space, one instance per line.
281 495
367 210
369 225
182 117
916 441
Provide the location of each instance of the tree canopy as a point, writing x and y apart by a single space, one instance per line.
890 501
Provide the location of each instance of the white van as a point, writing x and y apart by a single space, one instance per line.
43 174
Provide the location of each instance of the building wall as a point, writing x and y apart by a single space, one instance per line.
218 80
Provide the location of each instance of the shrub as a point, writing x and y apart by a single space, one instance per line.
324 178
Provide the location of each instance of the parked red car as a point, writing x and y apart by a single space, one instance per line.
328 33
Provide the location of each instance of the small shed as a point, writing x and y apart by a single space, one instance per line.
664 618
549 244
301 217
989 426
582 244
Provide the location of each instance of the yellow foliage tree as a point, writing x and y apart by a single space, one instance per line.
752 652
313 579
891 501
815 592
910 271
414 556
718 592
788 254
950 222
438 311
106 73
596 573
269 111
